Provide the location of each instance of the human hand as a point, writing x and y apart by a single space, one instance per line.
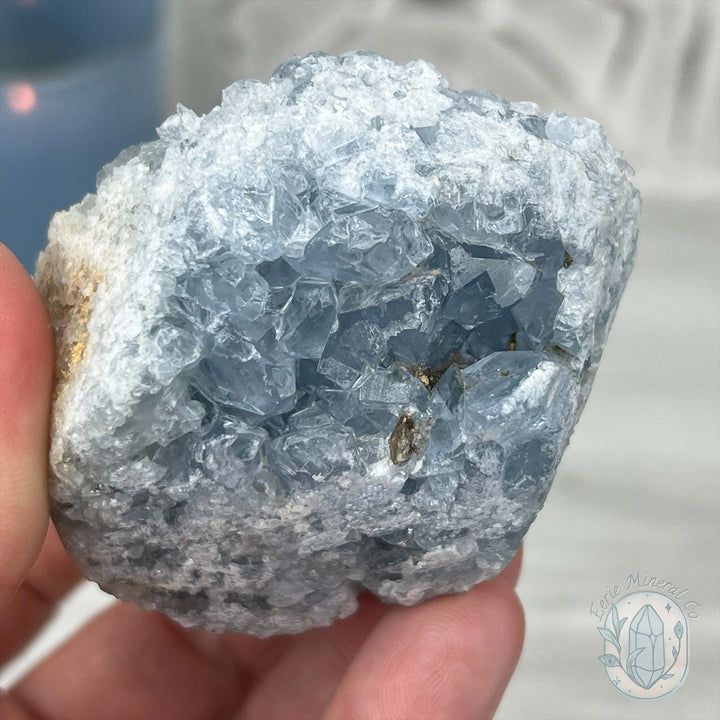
448 659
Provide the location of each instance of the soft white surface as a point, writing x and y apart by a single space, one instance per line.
639 487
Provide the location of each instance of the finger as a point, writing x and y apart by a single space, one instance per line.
11 709
26 376
449 658
301 683
129 663
49 579
511 573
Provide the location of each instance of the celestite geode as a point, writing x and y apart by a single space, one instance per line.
332 336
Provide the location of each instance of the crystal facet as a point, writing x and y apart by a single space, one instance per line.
647 647
333 335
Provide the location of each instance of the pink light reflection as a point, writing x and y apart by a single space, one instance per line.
21 98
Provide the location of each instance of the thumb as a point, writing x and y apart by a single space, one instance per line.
26 379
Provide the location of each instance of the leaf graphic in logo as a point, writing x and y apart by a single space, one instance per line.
615 620
609 660
631 669
675 652
620 626
678 630
607 635
633 675
667 676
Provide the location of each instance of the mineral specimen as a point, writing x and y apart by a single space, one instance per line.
332 336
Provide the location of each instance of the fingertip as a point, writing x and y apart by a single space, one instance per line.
26 345
511 572
26 378
506 613
450 657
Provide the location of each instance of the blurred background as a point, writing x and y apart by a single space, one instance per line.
79 81
639 488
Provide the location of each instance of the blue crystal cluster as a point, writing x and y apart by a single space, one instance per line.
332 336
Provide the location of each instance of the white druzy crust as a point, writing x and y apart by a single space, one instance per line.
332 336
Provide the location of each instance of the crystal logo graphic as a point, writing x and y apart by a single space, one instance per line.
646 648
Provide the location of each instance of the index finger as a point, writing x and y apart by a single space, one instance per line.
26 378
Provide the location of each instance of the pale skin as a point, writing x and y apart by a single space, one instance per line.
448 659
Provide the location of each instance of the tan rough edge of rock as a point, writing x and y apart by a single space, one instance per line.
69 304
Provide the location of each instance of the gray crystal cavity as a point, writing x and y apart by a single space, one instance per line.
332 336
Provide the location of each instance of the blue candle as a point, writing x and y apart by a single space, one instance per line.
79 82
